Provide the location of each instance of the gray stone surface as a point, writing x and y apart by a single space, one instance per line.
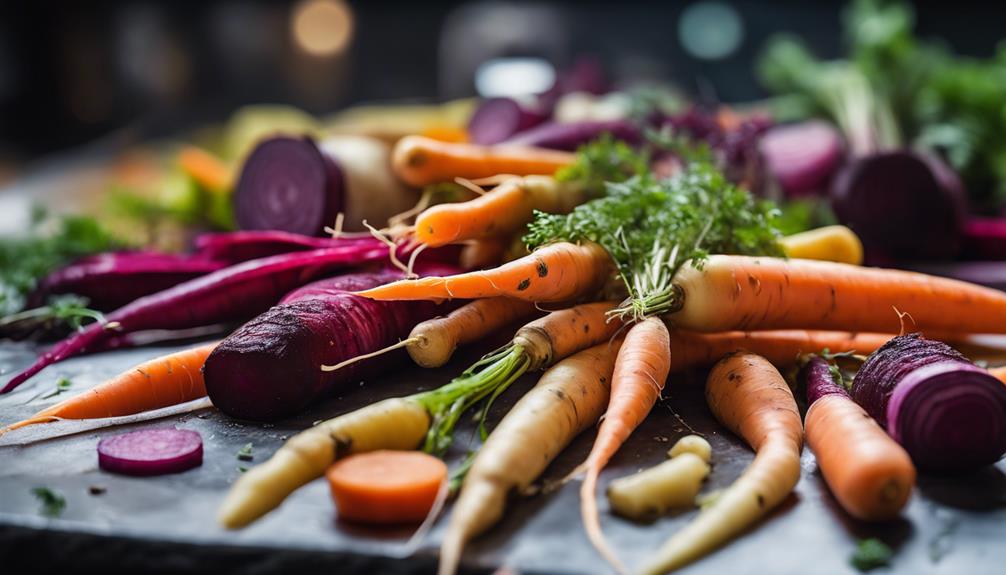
165 524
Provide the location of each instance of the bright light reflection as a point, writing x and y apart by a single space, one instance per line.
321 27
710 30
513 77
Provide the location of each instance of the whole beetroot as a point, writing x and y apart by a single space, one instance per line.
270 367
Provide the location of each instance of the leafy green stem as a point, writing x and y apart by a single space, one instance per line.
488 377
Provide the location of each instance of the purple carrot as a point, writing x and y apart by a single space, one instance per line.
271 366
570 136
816 373
112 280
231 294
248 245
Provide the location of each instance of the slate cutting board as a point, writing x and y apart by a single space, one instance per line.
954 524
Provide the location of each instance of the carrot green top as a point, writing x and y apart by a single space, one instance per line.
652 227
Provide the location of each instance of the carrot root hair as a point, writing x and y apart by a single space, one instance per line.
592 521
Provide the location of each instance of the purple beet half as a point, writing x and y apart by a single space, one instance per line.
289 184
270 367
498 119
151 452
802 157
903 205
948 414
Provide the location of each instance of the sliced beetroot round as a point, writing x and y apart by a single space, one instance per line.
289 184
949 415
946 412
151 452
904 205
498 119
802 157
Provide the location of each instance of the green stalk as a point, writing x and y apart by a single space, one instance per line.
490 376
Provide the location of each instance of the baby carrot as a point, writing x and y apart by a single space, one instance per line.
555 272
640 372
869 473
749 397
420 161
503 210
432 343
206 169
167 380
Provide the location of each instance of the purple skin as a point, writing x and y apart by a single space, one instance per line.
570 136
736 148
112 280
231 294
151 452
887 197
242 246
803 157
817 377
289 184
498 119
947 413
270 367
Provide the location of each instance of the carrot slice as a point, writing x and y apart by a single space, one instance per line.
385 486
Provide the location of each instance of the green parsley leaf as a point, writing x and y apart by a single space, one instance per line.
651 228
52 501
870 554
245 453
604 160
62 384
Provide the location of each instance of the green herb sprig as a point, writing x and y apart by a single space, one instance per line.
652 228
53 503
870 554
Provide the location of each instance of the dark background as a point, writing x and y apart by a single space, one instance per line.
71 72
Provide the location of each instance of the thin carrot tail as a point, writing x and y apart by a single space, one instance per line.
40 418
592 522
450 553
576 473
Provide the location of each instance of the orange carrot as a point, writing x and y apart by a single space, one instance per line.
167 380
420 161
556 272
691 349
743 292
749 397
640 371
386 487
206 169
505 209
998 373
870 475
432 342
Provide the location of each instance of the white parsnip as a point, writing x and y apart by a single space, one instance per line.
569 398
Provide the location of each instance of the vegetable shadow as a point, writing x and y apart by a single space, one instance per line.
981 490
